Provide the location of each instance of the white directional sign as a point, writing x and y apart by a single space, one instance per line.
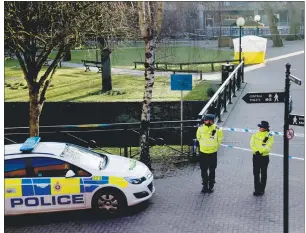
295 79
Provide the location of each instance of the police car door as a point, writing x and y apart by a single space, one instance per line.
18 187
54 191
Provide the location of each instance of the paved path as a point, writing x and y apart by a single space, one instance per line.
178 205
272 52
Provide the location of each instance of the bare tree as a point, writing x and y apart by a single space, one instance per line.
112 21
277 41
32 30
294 9
150 21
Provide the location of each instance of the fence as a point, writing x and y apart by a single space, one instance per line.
224 95
234 31
181 64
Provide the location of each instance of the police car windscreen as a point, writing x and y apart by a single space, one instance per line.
87 158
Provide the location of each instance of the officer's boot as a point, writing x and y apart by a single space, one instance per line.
205 187
211 187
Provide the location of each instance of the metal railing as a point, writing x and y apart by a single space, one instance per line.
224 95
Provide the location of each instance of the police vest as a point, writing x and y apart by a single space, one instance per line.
209 138
262 142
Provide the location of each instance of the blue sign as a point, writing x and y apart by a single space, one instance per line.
181 82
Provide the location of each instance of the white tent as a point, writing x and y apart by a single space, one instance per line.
253 49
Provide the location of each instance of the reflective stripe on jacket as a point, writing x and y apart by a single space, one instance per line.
257 143
209 143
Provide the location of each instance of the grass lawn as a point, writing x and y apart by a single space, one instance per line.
77 86
126 56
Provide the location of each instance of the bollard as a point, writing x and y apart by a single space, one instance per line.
225 73
226 69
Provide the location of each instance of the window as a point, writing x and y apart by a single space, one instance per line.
50 167
15 168
81 155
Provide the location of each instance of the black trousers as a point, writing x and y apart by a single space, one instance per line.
208 162
260 167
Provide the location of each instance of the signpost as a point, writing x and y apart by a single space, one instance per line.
298 120
181 82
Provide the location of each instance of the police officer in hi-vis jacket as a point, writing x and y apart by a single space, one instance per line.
209 137
261 144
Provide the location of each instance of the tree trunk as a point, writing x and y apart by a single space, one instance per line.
106 70
295 20
147 98
35 111
277 41
67 56
106 65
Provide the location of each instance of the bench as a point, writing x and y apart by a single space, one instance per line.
181 64
96 64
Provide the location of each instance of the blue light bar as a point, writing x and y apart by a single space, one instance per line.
30 144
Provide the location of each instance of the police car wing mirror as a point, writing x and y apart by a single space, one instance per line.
69 174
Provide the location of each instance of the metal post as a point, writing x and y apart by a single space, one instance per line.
219 109
234 85
242 71
240 49
257 30
225 98
286 150
182 120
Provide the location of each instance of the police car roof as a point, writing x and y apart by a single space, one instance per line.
55 148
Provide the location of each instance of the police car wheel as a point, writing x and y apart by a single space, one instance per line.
109 201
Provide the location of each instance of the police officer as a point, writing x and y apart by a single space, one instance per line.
210 137
261 145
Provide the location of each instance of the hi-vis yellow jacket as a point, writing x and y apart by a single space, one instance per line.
209 141
258 143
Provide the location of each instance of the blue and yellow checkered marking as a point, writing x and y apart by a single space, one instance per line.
42 186
46 186
27 187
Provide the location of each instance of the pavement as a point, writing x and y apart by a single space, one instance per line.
178 205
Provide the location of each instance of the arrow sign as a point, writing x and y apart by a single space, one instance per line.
297 120
295 79
269 97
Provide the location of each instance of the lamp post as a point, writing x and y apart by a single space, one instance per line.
240 23
257 19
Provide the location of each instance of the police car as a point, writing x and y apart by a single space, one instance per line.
51 176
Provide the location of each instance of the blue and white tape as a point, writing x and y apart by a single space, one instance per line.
246 149
255 131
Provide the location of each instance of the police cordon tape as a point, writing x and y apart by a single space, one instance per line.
255 131
156 122
246 149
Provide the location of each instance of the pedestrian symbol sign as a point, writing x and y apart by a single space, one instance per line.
270 97
297 120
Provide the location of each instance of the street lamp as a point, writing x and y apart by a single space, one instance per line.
257 19
240 23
